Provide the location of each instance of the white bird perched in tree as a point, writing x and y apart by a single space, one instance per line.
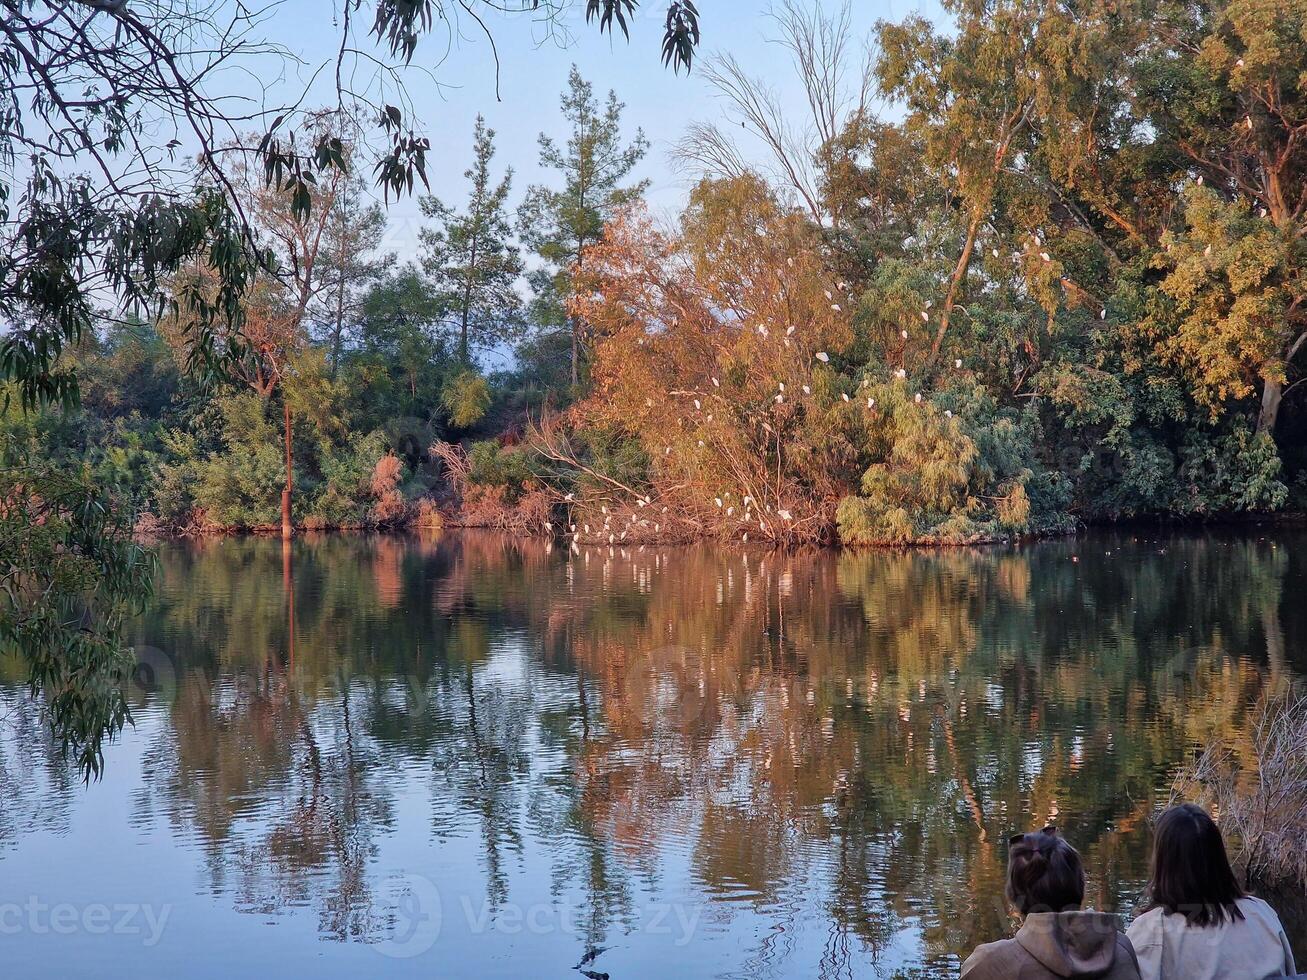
789 262
823 356
837 308
948 414
697 405
716 383
1045 256
569 496
1102 314
807 390
900 373
717 501
701 443
994 252
844 395
780 399
903 334
925 317
780 385
762 330
789 330
871 403
783 515
917 398
1200 180
1207 250
1248 122
1239 63
829 295
957 363
667 451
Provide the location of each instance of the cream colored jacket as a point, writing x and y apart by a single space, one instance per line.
1252 948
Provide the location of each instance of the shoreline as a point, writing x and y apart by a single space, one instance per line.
1288 520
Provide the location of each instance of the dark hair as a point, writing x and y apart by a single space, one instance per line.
1044 873
1191 874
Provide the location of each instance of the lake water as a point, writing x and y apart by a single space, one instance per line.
468 756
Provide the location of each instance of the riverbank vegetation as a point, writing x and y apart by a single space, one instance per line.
1257 782
1059 279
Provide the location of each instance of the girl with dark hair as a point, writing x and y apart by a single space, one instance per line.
1046 884
1199 924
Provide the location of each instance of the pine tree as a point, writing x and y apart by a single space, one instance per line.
561 224
349 265
470 257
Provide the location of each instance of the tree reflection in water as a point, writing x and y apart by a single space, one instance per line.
829 747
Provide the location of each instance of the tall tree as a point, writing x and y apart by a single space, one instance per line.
470 256
560 224
349 264
273 329
969 96
1222 87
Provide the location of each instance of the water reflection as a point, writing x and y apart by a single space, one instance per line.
714 763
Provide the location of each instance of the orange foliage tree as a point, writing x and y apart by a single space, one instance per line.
717 348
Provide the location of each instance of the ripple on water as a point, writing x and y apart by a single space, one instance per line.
814 757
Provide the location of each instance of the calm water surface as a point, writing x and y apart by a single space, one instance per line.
466 756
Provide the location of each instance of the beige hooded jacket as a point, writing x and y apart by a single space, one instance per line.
1057 945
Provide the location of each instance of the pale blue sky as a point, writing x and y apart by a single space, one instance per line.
534 71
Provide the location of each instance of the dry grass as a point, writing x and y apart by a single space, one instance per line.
1257 790
490 507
